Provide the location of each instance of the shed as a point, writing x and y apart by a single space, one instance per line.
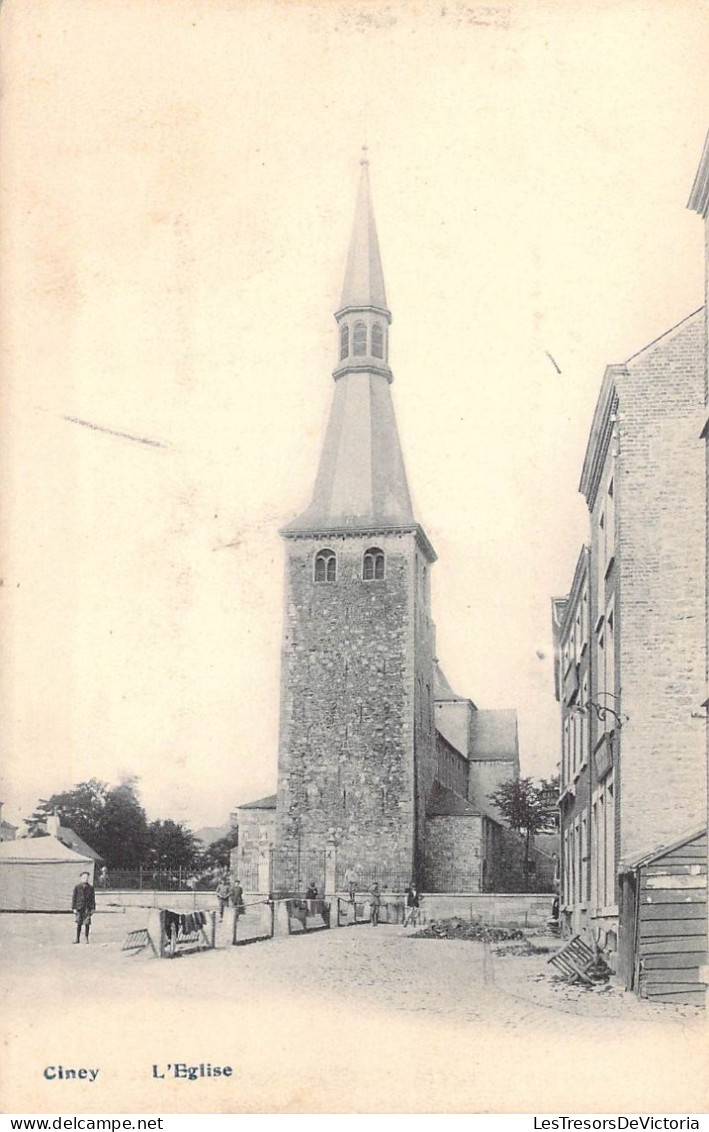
38 874
664 916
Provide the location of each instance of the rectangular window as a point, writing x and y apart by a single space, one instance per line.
565 751
583 719
610 661
595 821
610 525
601 559
600 851
601 666
572 865
583 853
610 844
572 745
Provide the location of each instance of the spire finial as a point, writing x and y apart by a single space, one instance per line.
364 159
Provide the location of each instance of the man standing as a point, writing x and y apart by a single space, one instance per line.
237 898
83 904
223 894
351 884
412 905
375 901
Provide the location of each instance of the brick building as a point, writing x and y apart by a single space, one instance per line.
631 670
375 748
571 624
699 203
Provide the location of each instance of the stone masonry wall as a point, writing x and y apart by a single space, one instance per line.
485 776
661 553
453 857
351 701
425 755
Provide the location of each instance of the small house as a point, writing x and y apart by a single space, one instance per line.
663 916
38 874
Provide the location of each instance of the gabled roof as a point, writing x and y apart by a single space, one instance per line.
73 841
647 856
443 802
267 803
606 410
495 736
441 688
40 849
699 196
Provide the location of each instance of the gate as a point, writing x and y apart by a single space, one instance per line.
293 870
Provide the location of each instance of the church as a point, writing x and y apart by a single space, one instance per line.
378 756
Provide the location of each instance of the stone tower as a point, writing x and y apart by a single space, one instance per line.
357 732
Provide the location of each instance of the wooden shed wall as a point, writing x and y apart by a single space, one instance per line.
672 924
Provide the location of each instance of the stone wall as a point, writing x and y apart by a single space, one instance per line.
356 700
486 775
523 909
453 855
452 769
257 829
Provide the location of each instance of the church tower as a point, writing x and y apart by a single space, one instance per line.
357 733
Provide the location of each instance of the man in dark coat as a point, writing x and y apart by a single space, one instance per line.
83 904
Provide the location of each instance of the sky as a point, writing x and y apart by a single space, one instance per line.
178 192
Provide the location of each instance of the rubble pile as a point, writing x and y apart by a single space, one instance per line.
467 929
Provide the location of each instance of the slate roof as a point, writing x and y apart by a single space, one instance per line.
364 279
47 849
441 688
494 735
646 856
361 484
267 803
73 841
443 802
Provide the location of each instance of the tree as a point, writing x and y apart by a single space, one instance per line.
172 845
109 818
80 808
528 809
124 827
216 855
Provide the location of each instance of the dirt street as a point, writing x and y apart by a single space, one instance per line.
352 1020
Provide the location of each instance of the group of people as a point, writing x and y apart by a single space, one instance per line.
413 899
230 894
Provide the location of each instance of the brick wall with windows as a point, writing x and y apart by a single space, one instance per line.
660 608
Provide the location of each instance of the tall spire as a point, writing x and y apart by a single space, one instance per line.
364 280
361 482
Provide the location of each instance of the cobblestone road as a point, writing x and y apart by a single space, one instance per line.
356 1020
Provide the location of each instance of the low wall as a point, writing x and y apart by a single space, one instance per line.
515 909
146 898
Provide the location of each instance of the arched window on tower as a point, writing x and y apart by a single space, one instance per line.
359 339
373 565
344 340
377 340
325 566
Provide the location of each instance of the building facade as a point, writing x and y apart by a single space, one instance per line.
571 624
699 203
377 754
641 781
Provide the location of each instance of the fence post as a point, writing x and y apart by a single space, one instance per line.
264 871
331 871
140 878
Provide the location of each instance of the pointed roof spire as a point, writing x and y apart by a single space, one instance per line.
364 279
